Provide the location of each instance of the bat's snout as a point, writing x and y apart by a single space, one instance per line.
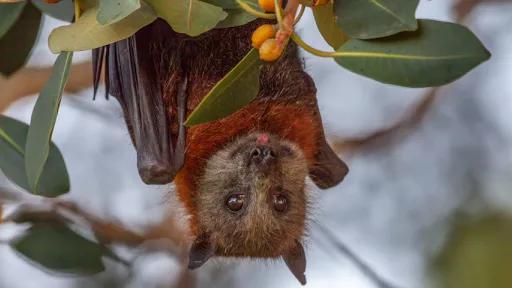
263 158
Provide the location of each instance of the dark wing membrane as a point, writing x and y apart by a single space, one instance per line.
131 78
97 64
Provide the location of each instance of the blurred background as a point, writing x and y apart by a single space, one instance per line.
428 208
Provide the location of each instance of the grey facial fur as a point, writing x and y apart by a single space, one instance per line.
258 229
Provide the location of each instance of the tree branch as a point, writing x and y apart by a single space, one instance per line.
365 269
381 137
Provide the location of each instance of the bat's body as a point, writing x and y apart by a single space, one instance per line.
260 154
285 106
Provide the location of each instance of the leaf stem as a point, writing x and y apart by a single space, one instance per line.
253 11
301 12
312 50
11 142
279 14
77 10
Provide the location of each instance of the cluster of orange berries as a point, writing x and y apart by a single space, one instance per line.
263 37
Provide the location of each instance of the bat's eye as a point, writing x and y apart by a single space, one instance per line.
235 202
280 203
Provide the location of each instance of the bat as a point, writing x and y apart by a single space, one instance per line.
240 178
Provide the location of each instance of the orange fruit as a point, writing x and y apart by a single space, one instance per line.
262 34
268 5
268 50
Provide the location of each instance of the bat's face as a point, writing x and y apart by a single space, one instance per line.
251 199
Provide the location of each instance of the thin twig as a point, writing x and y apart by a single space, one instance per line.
365 269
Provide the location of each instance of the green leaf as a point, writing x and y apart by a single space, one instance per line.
88 34
326 23
237 89
64 10
236 17
13 136
9 13
43 119
111 11
226 4
192 17
368 19
255 5
434 55
16 45
57 248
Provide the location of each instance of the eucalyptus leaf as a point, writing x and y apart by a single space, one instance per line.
9 13
368 19
44 115
326 23
64 10
111 11
237 89
192 17
87 33
56 248
255 5
236 17
434 55
16 45
13 136
226 4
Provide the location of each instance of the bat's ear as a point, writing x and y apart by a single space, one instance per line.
329 169
296 262
200 251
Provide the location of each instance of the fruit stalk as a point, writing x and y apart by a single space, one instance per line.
314 51
286 22
301 12
77 10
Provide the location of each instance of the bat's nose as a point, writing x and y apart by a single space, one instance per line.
263 157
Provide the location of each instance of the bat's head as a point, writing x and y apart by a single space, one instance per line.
252 202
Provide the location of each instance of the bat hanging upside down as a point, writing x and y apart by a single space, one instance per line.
241 178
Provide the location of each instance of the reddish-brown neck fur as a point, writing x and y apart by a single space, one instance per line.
285 105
